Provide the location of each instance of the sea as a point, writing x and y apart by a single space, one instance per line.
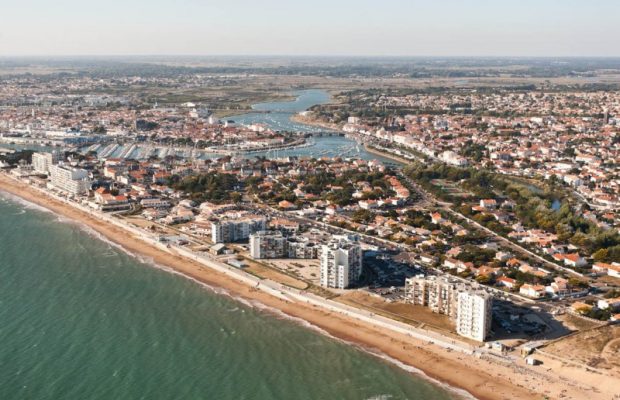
82 319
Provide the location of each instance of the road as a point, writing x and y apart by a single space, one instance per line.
430 199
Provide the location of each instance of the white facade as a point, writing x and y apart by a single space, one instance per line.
473 318
341 262
41 162
71 180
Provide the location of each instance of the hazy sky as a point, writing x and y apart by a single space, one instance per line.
311 27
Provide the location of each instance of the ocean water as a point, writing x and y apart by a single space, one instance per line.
81 319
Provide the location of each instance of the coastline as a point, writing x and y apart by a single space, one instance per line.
482 378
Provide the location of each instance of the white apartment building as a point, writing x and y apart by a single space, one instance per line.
341 262
232 230
473 318
267 244
70 180
41 162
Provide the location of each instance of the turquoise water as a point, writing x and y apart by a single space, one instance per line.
80 319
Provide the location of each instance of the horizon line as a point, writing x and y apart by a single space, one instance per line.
311 56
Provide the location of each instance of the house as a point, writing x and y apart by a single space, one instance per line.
502 256
614 270
428 259
513 263
486 270
507 282
600 268
286 205
436 218
612 304
489 204
571 260
559 287
532 291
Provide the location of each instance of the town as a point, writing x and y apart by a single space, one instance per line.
482 221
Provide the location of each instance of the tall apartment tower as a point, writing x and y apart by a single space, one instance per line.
41 162
341 262
474 314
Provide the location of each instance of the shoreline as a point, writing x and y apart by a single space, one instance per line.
385 154
302 119
447 367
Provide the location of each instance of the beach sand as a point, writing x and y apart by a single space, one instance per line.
482 378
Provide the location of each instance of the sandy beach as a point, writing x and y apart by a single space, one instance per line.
481 378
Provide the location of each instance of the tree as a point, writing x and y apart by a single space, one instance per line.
236 197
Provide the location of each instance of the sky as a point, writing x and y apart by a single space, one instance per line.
312 27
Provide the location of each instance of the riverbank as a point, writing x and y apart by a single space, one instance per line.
482 378
302 119
385 154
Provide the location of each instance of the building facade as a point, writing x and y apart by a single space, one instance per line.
70 180
435 292
474 314
341 262
41 162
226 231
267 244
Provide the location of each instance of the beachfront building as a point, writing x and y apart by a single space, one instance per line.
301 248
71 180
469 305
272 244
232 230
474 314
341 262
267 244
41 162
435 292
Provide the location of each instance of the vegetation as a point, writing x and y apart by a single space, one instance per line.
535 206
215 187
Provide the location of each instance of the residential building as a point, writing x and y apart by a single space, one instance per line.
41 162
232 230
474 314
341 262
267 244
70 180
434 292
